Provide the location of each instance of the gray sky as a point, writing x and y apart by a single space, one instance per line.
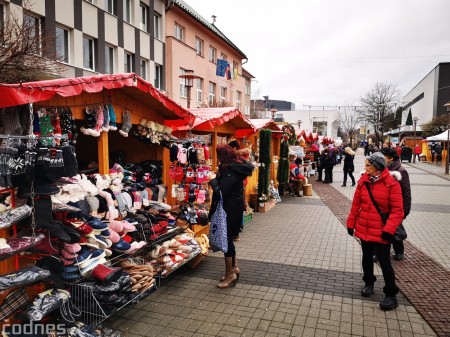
331 52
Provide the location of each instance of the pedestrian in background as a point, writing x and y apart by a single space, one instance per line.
376 234
394 165
349 167
417 151
438 153
330 161
230 183
322 162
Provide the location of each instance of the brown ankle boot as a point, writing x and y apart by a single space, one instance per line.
230 277
235 269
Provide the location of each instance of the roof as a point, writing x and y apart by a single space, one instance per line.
130 83
205 119
188 9
258 124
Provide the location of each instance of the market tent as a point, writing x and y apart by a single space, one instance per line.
131 84
258 124
205 119
442 137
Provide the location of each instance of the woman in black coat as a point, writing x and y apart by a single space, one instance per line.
349 167
230 182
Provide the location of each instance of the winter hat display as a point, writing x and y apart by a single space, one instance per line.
89 122
105 125
112 117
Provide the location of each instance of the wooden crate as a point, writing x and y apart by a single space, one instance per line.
266 206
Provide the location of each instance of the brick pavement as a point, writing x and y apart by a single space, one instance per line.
301 276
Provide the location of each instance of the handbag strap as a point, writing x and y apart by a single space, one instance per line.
371 197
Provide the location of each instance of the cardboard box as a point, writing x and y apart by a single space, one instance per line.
265 206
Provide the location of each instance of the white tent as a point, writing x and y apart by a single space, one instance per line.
442 137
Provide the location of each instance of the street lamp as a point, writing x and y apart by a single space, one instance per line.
448 138
415 119
189 83
299 123
273 111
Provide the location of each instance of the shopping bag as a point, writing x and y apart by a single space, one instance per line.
218 229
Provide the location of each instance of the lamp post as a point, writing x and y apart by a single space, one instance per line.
189 83
415 119
448 138
273 111
299 123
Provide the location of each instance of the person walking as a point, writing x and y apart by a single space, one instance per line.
322 163
375 233
329 165
349 167
417 151
438 153
230 183
394 165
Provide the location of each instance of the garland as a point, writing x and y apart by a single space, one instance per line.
265 160
288 138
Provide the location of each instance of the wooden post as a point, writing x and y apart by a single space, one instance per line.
165 176
213 151
103 153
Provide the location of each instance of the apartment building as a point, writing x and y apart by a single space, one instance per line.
197 48
99 36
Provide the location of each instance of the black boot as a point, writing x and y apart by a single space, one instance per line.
367 290
389 303
44 219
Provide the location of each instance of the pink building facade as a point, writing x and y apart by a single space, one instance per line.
195 46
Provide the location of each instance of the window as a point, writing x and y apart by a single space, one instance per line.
199 96
247 110
158 76
223 94
88 53
128 66
223 56
231 96
109 60
144 15
143 68
199 46
109 7
157 25
179 32
31 26
238 99
212 54
211 93
320 127
62 44
183 88
127 10
247 88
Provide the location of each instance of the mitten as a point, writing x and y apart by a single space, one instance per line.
350 231
112 118
98 122
105 126
126 124
388 237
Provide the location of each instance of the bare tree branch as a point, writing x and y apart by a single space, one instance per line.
349 121
27 51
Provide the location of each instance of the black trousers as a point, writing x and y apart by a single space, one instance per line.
383 252
329 173
398 246
351 176
319 172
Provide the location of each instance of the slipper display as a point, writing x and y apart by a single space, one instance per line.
15 301
14 215
46 302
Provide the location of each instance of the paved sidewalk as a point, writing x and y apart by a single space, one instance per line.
301 275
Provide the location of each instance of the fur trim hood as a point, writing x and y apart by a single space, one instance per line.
395 174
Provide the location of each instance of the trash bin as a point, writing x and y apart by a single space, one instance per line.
406 154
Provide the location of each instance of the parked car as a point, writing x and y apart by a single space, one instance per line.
406 154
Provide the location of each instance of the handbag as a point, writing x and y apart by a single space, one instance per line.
218 231
400 233
384 216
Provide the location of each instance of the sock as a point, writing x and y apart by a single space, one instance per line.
126 124
105 126
112 118
99 121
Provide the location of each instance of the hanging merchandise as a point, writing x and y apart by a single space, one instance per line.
126 124
112 118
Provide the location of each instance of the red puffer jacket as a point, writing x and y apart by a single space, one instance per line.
364 217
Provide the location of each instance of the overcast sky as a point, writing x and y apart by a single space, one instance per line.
331 52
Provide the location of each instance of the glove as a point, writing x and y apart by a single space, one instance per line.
350 231
388 237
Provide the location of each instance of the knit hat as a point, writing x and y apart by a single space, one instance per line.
389 152
378 161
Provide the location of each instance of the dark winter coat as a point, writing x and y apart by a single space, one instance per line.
364 217
404 183
348 163
230 181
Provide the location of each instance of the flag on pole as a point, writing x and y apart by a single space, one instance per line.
221 67
228 72
235 73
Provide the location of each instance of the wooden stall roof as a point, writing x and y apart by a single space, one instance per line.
206 119
131 84
258 124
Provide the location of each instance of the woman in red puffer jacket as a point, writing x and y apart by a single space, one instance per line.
365 223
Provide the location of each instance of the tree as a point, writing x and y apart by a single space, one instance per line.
349 121
378 104
436 126
27 53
